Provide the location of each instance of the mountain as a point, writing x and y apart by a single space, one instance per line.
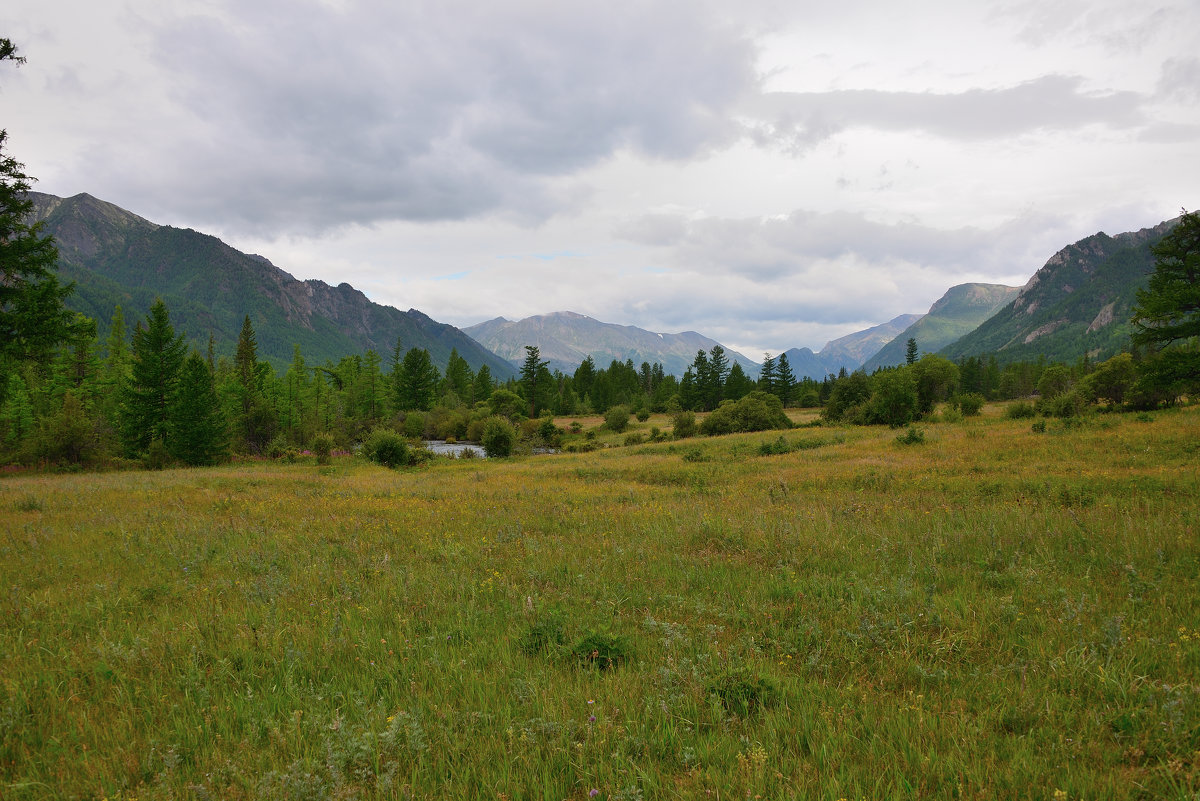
955 314
116 257
852 350
565 339
1078 303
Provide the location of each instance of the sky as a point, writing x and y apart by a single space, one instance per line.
770 174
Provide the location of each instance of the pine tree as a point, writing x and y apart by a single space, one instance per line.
157 356
483 385
1166 317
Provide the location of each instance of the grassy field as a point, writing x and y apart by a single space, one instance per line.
992 613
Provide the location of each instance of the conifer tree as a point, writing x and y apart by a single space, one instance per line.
785 380
157 356
197 425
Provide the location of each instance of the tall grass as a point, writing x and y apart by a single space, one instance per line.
990 613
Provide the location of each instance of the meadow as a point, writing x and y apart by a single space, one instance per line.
826 613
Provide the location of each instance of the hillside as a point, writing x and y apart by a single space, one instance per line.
852 350
1078 303
116 257
565 339
955 314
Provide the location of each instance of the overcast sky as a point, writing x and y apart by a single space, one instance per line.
770 174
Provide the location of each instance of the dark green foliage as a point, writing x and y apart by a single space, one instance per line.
758 411
1112 380
322 447
969 403
912 436
1167 315
936 379
197 430
1168 309
32 317
498 437
1020 410
684 425
894 398
600 651
910 351
616 419
544 636
776 447
387 448
848 393
743 692
157 356
533 379
69 437
506 404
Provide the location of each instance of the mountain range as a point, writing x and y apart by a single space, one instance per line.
565 339
1077 304
116 258
958 312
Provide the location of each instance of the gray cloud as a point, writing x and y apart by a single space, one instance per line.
1052 102
317 117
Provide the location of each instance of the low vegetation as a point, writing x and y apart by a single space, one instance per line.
819 613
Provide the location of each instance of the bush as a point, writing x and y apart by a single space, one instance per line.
643 415
543 636
600 651
776 447
758 411
387 448
157 456
322 447
498 437
742 693
969 403
1020 410
684 425
548 432
616 419
634 438
913 436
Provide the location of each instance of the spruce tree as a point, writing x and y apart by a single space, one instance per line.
157 356
197 425
785 380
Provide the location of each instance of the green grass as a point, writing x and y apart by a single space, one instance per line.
990 614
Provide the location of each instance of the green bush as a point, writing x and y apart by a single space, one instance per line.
913 436
498 437
387 448
322 447
969 403
601 651
742 693
543 636
643 415
758 411
1020 410
684 425
616 419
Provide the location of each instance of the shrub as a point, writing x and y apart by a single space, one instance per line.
387 448
498 437
742 692
600 651
757 411
322 447
542 636
548 432
684 425
616 419
1020 410
634 438
969 403
643 415
157 455
913 436
776 447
